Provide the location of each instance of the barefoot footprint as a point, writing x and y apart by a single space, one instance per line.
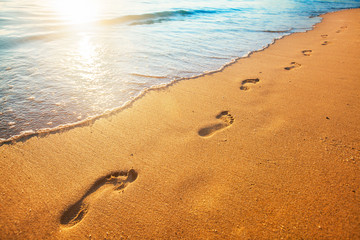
307 52
293 65
341 29
116 181
226 118
246 81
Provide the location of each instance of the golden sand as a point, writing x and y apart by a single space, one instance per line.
268 148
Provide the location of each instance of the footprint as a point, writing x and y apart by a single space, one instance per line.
341 28
325 43
324 36
246 81
307 52
227 120
293 66
116 181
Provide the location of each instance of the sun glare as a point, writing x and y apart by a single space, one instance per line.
77 11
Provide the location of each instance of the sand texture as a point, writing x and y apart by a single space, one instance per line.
268 148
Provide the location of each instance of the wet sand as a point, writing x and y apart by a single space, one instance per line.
268 148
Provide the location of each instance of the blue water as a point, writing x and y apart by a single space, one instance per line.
64 61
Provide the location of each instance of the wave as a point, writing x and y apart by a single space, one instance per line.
57 31
271 31
148 76
12 42
156 17
278 31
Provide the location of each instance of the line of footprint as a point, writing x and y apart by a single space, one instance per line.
326 42
227 119
308 52
118 181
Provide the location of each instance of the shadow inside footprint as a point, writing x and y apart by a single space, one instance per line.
292 66
211 129
246 81
226 118
307 52
76 212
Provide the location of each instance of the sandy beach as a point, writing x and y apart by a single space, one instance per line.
267 148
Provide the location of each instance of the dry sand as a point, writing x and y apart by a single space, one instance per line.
267 148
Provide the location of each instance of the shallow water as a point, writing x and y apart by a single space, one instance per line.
64 61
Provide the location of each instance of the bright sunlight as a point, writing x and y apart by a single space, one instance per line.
77 11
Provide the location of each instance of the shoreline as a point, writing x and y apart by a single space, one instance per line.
24 135
267 147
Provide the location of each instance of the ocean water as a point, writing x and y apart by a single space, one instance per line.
66 61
